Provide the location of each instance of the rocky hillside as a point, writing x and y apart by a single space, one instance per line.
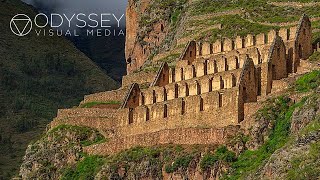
158 30
283 141
38 75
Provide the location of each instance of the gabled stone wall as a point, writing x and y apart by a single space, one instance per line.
203 94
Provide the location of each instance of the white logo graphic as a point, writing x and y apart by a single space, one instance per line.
21 25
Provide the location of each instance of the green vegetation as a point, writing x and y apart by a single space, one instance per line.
137 154
307 165
85 169
315 57
308 81
180 162
279 111
236 27
301 1
164 10
170 58
92 104
84 133
257 17
221 154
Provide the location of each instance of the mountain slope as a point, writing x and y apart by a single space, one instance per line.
38 75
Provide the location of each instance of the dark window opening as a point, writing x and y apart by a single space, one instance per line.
130 116
201 104
165 111
147 114
183 107
220 100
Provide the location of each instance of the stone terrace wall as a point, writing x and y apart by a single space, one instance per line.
85 112
223 46
212 109
204 67
115 95
194 86
139 78
189 136
101 123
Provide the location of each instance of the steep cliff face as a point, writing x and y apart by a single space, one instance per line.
149 23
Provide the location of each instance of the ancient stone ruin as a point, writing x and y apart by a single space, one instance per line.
199 101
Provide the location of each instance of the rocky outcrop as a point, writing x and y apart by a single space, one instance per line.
302 116
298 154
148 169
149 23
58 149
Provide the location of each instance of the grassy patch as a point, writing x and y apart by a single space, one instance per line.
170 58
92 104
306 166
281 111
137 154
87 136
85 169
180 162
315 57
232 26
308 82
222 154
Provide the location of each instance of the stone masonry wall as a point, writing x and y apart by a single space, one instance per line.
194 86
139 78
212 109
115 95
188 136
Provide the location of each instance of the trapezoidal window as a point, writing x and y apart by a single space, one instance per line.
193 71
237 63
201 104
130 116
205 67
183 107
187 89
181 70
147 114
234 80
142 99
221 83
154 98
226 64
220 100
198 88
165 111
165 95
176 91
